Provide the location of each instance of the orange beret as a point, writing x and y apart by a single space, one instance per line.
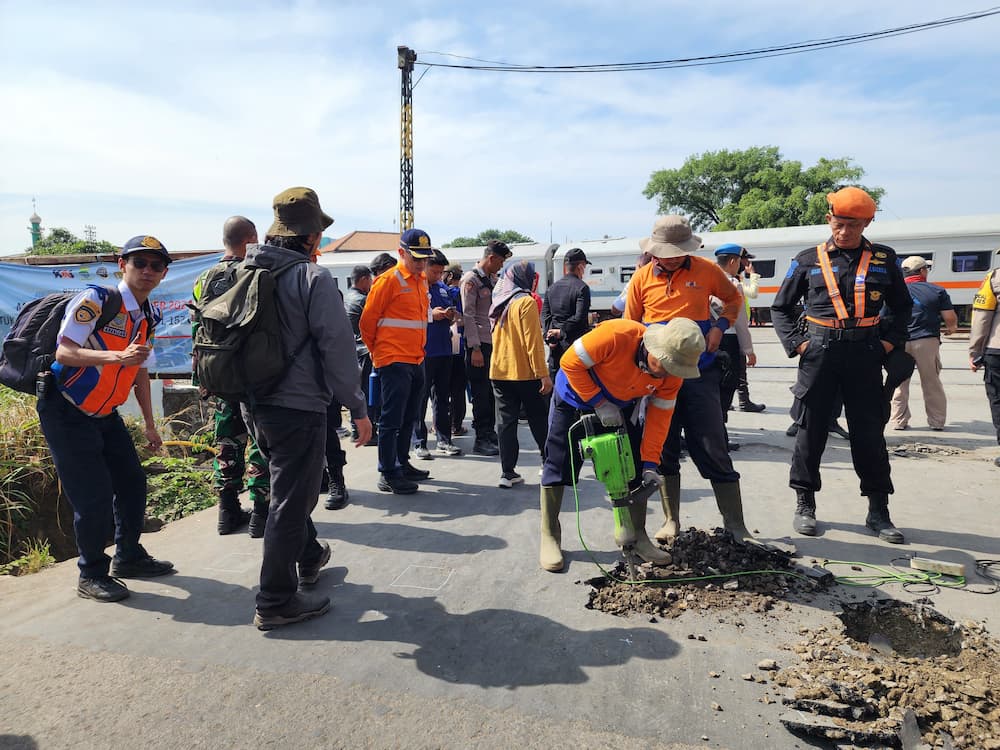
851 202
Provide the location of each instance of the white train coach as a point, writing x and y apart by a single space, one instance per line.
962 249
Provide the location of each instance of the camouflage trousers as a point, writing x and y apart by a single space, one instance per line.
231 439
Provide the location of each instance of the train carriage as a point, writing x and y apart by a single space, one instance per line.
962 248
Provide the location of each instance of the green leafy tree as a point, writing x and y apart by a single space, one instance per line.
60 241
509 236
751 189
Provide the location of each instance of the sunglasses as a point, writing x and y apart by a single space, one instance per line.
156 265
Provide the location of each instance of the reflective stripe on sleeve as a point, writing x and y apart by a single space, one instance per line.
662 403
400 323
581 352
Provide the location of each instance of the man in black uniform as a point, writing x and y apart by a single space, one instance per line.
845 282
566 309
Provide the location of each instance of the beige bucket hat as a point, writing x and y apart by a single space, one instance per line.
677 345
671 238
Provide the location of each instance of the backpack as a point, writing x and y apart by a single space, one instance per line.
30 347
239 351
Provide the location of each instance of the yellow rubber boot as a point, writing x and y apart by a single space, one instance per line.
549 555
730 502
643 547
671 501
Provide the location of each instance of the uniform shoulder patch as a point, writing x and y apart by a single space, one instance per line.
87 312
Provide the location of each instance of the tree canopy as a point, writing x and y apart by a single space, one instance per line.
752 189
61 241
509 236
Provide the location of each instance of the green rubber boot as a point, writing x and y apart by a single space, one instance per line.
549 555
643 547
671 501
730 502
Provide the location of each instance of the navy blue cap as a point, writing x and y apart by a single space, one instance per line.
145 243
417 243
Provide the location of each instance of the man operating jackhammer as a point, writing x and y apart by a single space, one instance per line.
608 372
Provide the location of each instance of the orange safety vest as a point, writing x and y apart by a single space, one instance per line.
840 309
98 389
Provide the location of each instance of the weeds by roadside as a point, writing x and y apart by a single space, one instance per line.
35 556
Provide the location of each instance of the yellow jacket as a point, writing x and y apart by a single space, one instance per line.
518 349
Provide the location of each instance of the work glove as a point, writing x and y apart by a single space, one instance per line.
652 476
609 414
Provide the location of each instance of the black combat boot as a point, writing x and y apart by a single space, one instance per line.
878 519
337 498
231 516
258 518
804 521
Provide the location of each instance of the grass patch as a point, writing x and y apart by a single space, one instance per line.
177 487
35 556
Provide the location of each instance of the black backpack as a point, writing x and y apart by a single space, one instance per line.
30 347
239 351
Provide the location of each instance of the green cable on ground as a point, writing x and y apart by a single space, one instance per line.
884 575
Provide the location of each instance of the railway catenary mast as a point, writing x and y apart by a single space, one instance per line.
405 59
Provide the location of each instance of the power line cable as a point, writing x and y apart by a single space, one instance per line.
796 48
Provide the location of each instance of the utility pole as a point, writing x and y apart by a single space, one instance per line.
405 59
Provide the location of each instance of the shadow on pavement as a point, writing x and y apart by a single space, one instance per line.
399 536
487 647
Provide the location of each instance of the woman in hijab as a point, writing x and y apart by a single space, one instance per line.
518 369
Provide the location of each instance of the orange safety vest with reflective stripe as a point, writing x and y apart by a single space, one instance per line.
393 324
844 320
602 364
98 389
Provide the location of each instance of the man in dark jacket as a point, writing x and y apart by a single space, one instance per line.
566 309
354 303
844 282
290 422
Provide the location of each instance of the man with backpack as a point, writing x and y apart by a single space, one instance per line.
230 431
289 417
95 458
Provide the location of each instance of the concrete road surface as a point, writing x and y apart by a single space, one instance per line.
445 633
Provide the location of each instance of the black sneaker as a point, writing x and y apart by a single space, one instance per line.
337 498
142 565
397 485
750 406
414 474
309 574
299 608
102 589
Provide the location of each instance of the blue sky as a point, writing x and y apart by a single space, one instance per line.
166 119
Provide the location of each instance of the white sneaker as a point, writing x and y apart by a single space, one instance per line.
510 481
448 449
421 452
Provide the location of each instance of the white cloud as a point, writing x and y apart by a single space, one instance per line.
176 118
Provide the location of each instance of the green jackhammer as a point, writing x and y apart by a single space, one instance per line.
611 454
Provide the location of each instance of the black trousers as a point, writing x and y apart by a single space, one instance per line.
294 442
734 371
101 474
699 413
483 403
510 396
458 385
336 458
991 377
854 368
437 392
